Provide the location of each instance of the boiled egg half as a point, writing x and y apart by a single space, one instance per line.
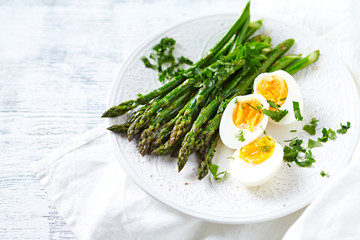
243 121
257 162
281 88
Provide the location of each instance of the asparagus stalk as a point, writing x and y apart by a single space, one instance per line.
163 135
241 35
203 168
208 131
252 28
304 62
284 62
122 128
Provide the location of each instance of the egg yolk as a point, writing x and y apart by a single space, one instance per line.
246 114
258 151
273 88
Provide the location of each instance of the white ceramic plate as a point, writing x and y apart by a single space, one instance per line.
329 95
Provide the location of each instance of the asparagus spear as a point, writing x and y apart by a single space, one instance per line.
240 36
304 62
284 62
163 135
208 131
122 128
203 62
252 28
203 168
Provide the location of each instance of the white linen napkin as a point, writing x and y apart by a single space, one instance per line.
98 201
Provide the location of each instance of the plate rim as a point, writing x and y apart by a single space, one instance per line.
209 217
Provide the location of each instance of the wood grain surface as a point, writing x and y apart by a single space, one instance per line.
57 61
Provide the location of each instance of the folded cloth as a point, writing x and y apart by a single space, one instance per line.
98 201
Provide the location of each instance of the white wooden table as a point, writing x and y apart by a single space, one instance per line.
57 61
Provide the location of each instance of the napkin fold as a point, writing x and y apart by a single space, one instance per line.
98 201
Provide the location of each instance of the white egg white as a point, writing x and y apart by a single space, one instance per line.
228 130
293 95
254 175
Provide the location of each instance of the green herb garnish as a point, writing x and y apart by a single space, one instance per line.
293 130
164 61
323 174
313 144
309 160
297 112
327 134
311 128
265 148
343 128
214 171
240 136
276 114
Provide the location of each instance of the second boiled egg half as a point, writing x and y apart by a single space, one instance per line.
257 162
243 121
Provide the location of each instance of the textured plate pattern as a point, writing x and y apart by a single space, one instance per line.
329 95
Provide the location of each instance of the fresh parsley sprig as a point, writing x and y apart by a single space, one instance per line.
311 128
214 171
297 112
343 128
323 174
240 136
164 61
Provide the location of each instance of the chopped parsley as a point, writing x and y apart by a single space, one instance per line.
311 128
240 136
293 151
293 130
214 171
313 144
323 174
257 108
327 134
265 148
236 101
343 128
164 61
297 112
276 114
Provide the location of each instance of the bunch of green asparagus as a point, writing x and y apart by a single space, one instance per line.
183 116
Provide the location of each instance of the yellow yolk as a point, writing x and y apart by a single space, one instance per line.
258 151
245 114
273 88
